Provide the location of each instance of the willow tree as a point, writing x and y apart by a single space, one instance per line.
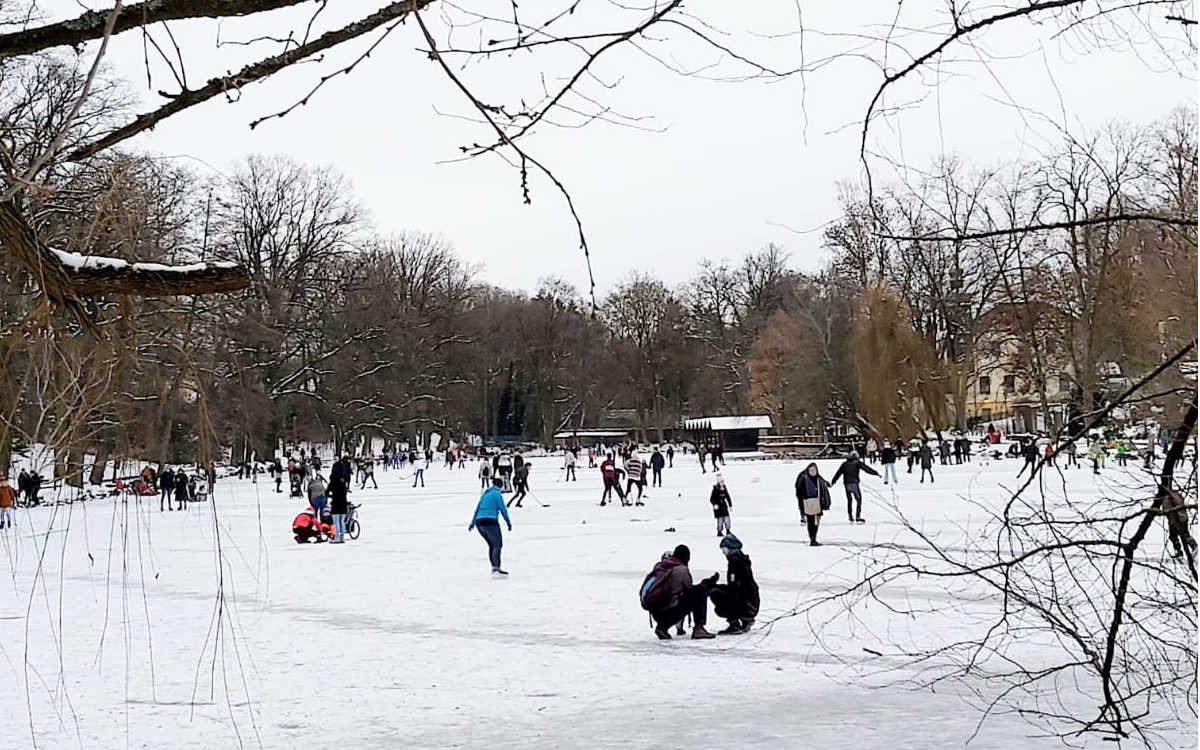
903 387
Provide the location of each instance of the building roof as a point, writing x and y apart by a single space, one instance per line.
721 424
590 433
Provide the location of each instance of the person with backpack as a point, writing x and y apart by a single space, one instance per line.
668 594
721 503
812 496
635 473
316 493
487 519
736 600
850 469
656 466
887 458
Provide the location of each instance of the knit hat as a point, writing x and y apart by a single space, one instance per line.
682 554
731 542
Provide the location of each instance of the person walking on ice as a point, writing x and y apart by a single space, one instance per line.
485 473
849 470
487 516
812 495
721 503
926 457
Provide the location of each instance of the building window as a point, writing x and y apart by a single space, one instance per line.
985 384
1010 382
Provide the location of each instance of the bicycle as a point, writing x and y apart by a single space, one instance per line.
352 525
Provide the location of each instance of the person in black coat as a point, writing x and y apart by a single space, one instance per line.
887 457
166 486
181 491
721 503
1030 454
737 599
657 462
339 504
812 495
849 470
926 456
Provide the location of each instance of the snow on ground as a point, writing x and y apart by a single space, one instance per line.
113 635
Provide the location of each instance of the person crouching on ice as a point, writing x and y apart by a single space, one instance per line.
668 595
737 599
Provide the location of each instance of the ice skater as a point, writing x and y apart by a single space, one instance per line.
849 471
612 481
520 483
487 519
485 473
887 457
1030 454
635 474
419 466
569 459
721 503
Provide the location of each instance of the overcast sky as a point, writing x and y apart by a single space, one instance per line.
737 164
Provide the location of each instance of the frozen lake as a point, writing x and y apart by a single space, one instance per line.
113 634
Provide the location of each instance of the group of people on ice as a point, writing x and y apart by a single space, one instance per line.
329 512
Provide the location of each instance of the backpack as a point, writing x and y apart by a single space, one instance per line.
653 593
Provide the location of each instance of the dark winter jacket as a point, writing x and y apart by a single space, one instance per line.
657 462
336 492
166 480
181 486
721 501
810 486
341 472
887 455
926 457
850 469
1029 451
738 597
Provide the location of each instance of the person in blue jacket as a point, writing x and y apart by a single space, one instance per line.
487 520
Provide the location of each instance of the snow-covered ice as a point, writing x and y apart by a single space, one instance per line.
113 635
